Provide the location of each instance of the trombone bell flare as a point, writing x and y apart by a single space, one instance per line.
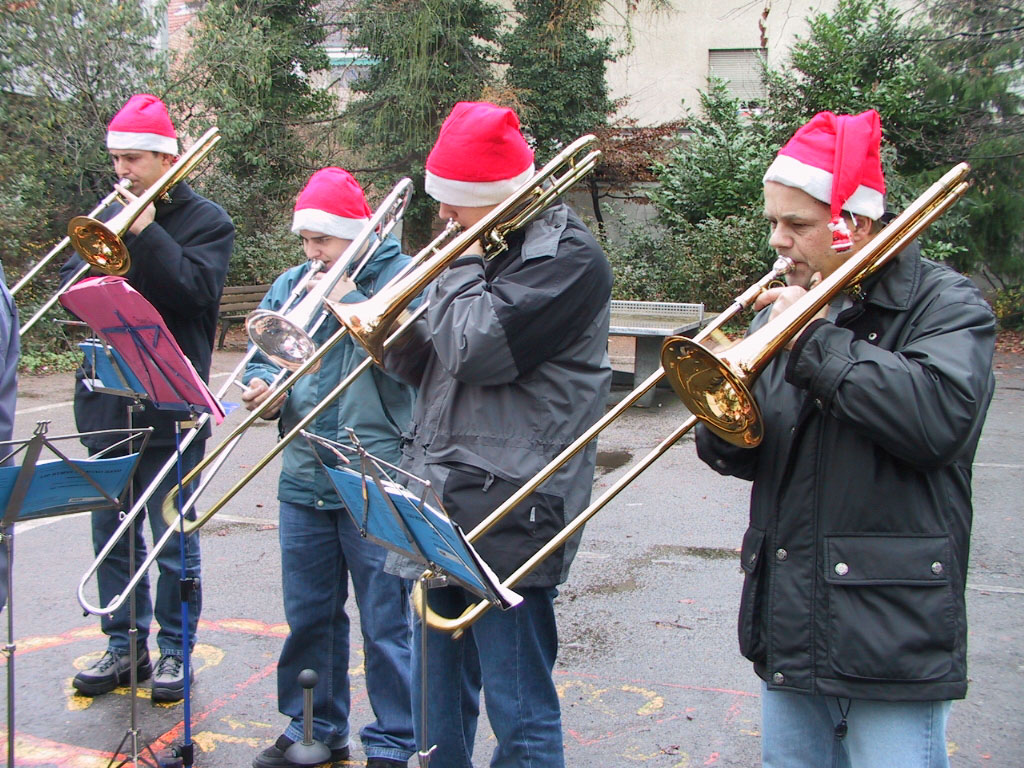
712 392
107 252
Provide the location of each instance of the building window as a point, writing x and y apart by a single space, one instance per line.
741 69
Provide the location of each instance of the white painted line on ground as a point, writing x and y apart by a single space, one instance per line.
69 403
995 589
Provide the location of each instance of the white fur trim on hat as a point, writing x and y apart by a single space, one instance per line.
474 193
818 184
151 141
315 220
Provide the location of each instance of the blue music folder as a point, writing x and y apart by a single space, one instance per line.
57 488
397 519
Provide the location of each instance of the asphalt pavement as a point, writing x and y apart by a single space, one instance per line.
649 672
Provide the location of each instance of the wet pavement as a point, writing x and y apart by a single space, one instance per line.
648 672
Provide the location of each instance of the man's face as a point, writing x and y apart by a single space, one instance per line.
140 166
799 230
464 215
324 248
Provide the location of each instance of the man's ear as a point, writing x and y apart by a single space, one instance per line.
861 227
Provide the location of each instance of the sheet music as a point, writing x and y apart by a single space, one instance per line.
128 323
57 488
434 535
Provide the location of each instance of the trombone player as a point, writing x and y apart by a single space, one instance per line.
321 546
855 558
179 248
511 363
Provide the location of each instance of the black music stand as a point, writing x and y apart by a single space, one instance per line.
46 487
416 527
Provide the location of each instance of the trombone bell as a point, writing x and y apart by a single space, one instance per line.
98 245
713 392
281 340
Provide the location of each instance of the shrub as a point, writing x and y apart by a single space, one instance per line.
1008 304
710 262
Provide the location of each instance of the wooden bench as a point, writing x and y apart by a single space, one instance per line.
650 322
236 302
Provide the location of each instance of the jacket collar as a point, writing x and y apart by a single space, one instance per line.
895 286
176 196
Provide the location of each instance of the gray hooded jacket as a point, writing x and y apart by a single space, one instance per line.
512 363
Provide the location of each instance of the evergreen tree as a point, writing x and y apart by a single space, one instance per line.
250 70
948 89
427 54
66 67
556 71
978 57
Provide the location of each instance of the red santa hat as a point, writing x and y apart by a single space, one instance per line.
143 123
480 157
835 159
331 203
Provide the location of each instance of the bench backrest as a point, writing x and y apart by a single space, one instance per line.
242 298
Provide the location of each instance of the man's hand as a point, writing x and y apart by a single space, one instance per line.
147 217
344 286
258 391
784 297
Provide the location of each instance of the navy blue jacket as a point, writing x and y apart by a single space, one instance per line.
179 263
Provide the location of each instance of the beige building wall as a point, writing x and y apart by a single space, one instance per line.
666 59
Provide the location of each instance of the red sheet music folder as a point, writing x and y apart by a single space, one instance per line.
125 320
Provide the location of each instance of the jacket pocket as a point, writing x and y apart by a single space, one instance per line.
471 494
751 555
891 609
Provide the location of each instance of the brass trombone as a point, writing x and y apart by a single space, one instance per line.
116 196
704 385
100 244
371 321
716 388
382 222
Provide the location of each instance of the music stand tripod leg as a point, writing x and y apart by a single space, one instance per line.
424 752
133 733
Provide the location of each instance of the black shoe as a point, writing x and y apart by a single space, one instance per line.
383 762
169 679
113 669
273 757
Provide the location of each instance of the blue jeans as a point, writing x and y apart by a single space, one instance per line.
320 549
798 731
113 575
512 654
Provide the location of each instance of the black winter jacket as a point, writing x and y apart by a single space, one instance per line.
860 515
178 263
